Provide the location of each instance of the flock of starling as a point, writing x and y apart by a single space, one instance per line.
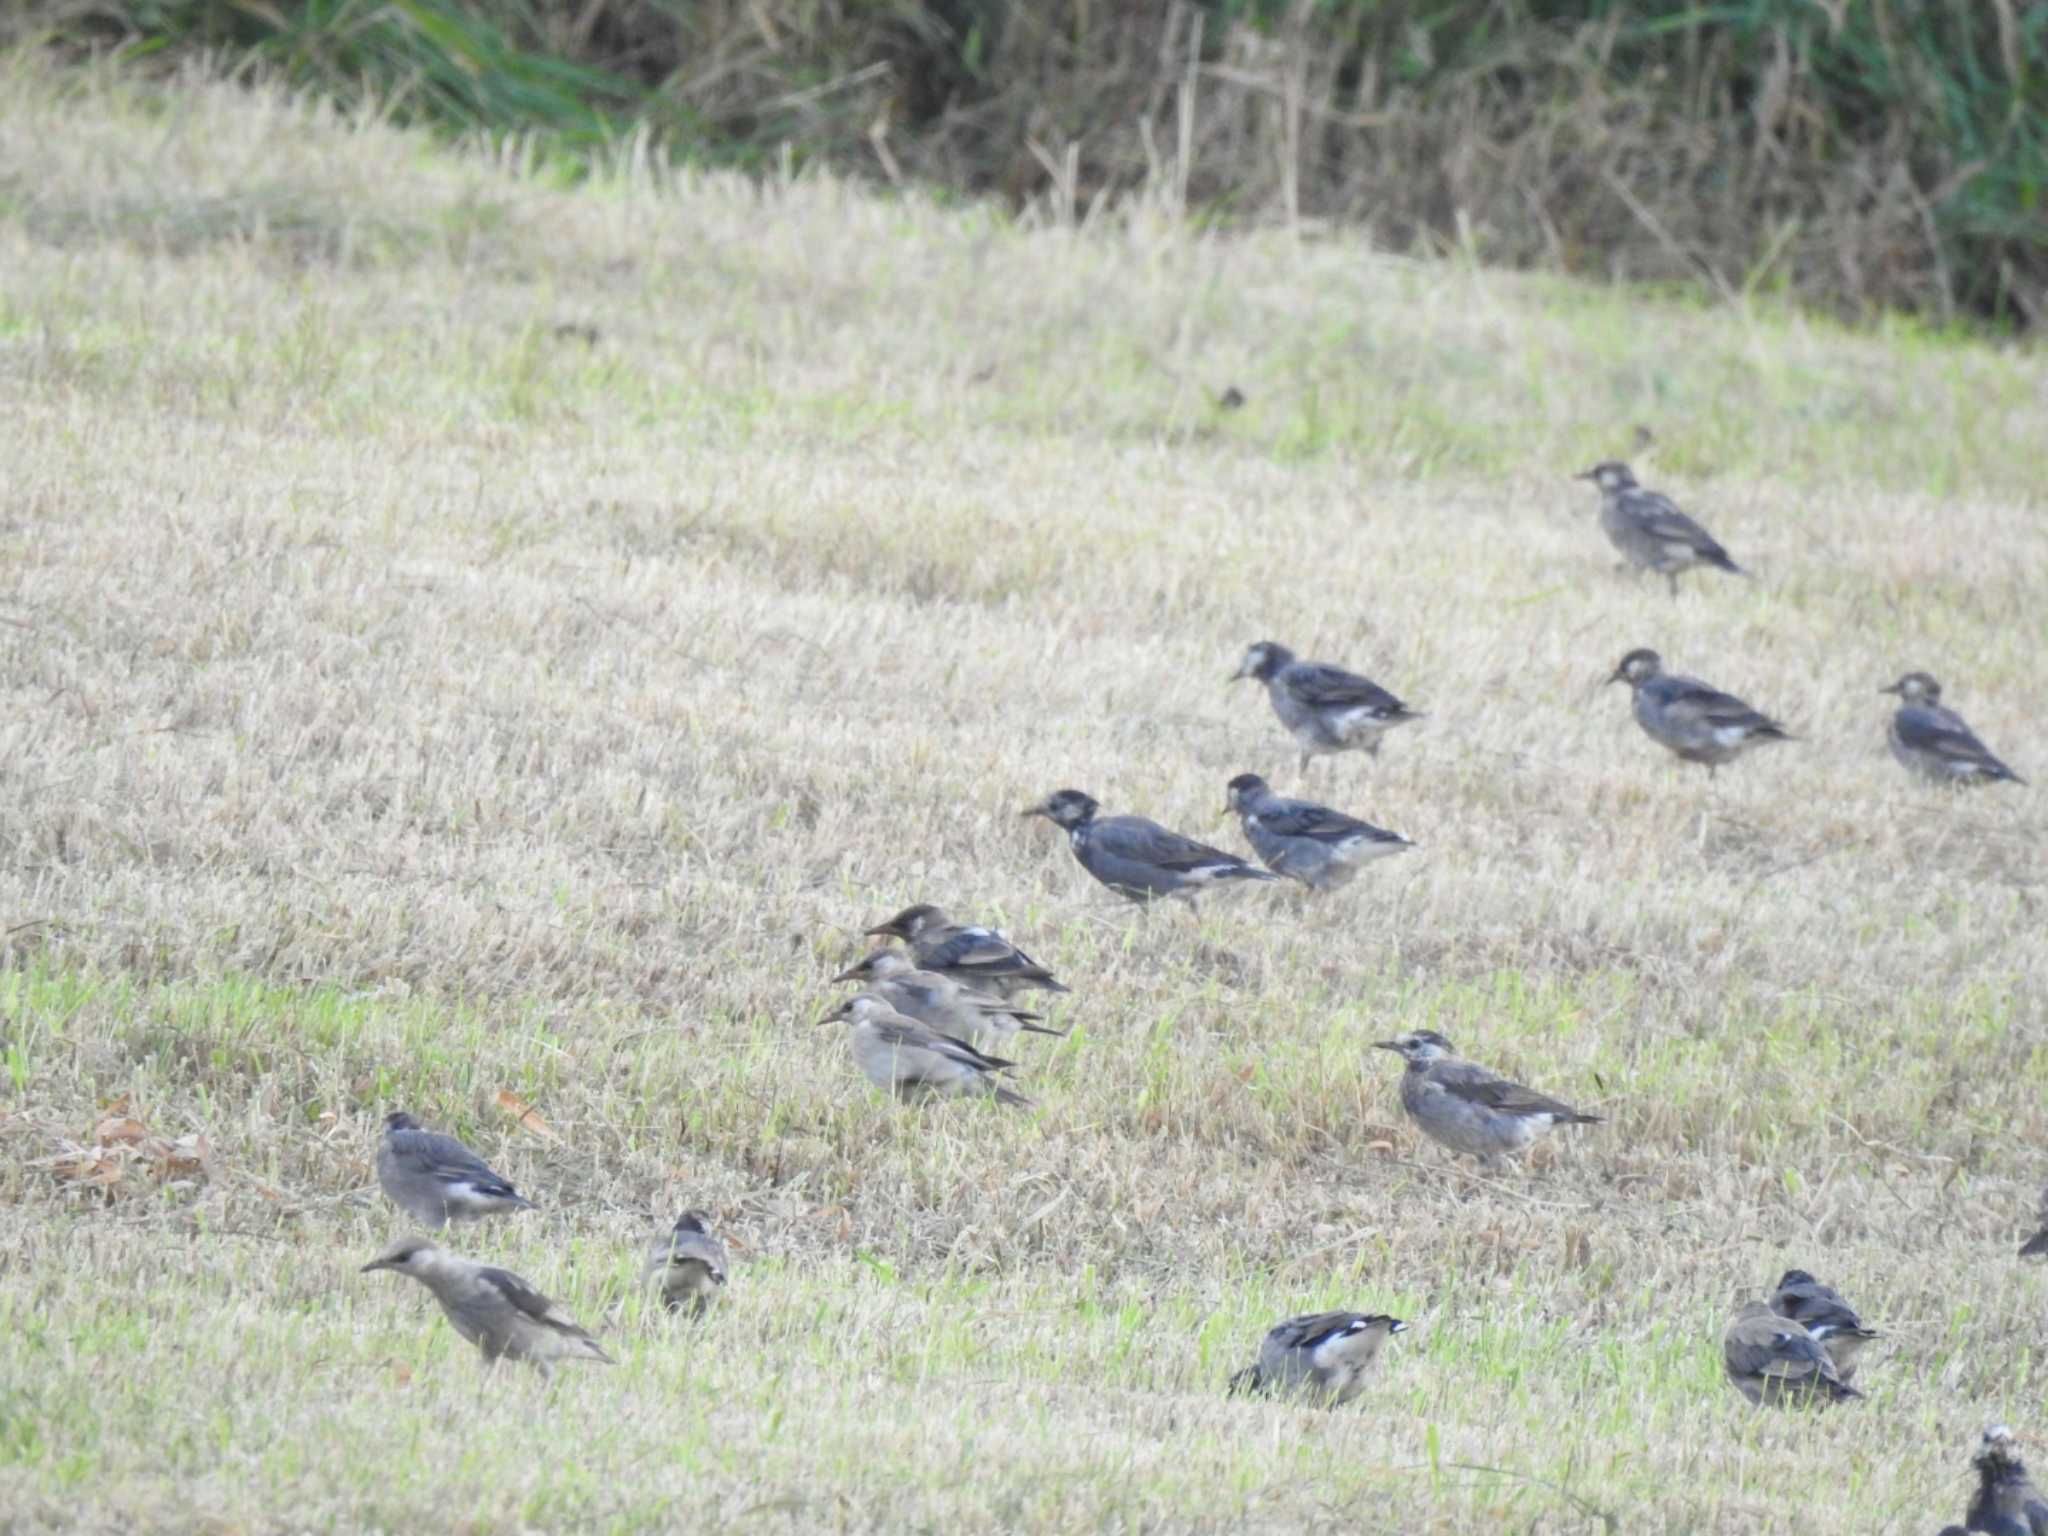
927 1017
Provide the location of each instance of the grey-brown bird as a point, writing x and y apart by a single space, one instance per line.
1323 1356
497 1311
982 957
1772 1360
1685 716
1822 1312
935 999
2037 1245
1467 1108
1935 742
688 1263
2006 1503
435 1179
1649 530
901 1056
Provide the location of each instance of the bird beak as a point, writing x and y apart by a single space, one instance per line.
374 1264
1589 474
1891 688
1386 1045
852 973
1616 676
1037 810
886 931
1235 675
831 1018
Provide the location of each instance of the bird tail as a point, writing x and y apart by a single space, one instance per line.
1579 1117
1247 1382
1028 1023
1245 872
1717 557
2036 1245
1005 1095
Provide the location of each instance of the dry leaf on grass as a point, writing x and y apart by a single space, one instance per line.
525 1114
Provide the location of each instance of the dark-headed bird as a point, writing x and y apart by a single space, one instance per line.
1138 858
1821 1310
435 1179
1700 724
1321 848
981 957
1324 708
2005 1503
1649 530
1933 741
688 1264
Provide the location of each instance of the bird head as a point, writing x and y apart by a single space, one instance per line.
692 1221
1246 791
908 923
399 1120
1915 688
1637 667
878 964
1261 660
1418 1045
408 1256
1610 475
1068 808
1794 1277
862 1005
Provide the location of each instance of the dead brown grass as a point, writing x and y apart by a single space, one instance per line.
409 703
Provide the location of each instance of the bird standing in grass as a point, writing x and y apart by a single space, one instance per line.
900 1056
1135 857
494 1309
2006 1503
1649 530
949 1006
688 1263
1772 1360
1467 1108
1321 848
1323 1356
1822 1312
980 957
1684 715
1324 708
1934 743
435 1179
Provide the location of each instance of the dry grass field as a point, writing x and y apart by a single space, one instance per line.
475 641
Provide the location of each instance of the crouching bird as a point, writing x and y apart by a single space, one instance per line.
1323 1356
900 1056
688 1263
1772 1360
1822 1312
494 1309
435 1179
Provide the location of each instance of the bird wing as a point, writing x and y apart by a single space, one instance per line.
1302 818
1775 1346
904 1037
1942 732
697 1248
448 1161
1308 1331
1327 687
1686 699
531 1303
1146 842
980 950
1658 515
1817 1307
1473 1083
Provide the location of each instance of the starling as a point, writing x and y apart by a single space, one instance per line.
435 1179
1823 1313
1321 848
1137 858
1323 1357
688 1263
1934 742
1649 530
494 1309
1467 1108
1772 1360
981 957
2005 1503
1324 708
902 1057
1700 724
951 1007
